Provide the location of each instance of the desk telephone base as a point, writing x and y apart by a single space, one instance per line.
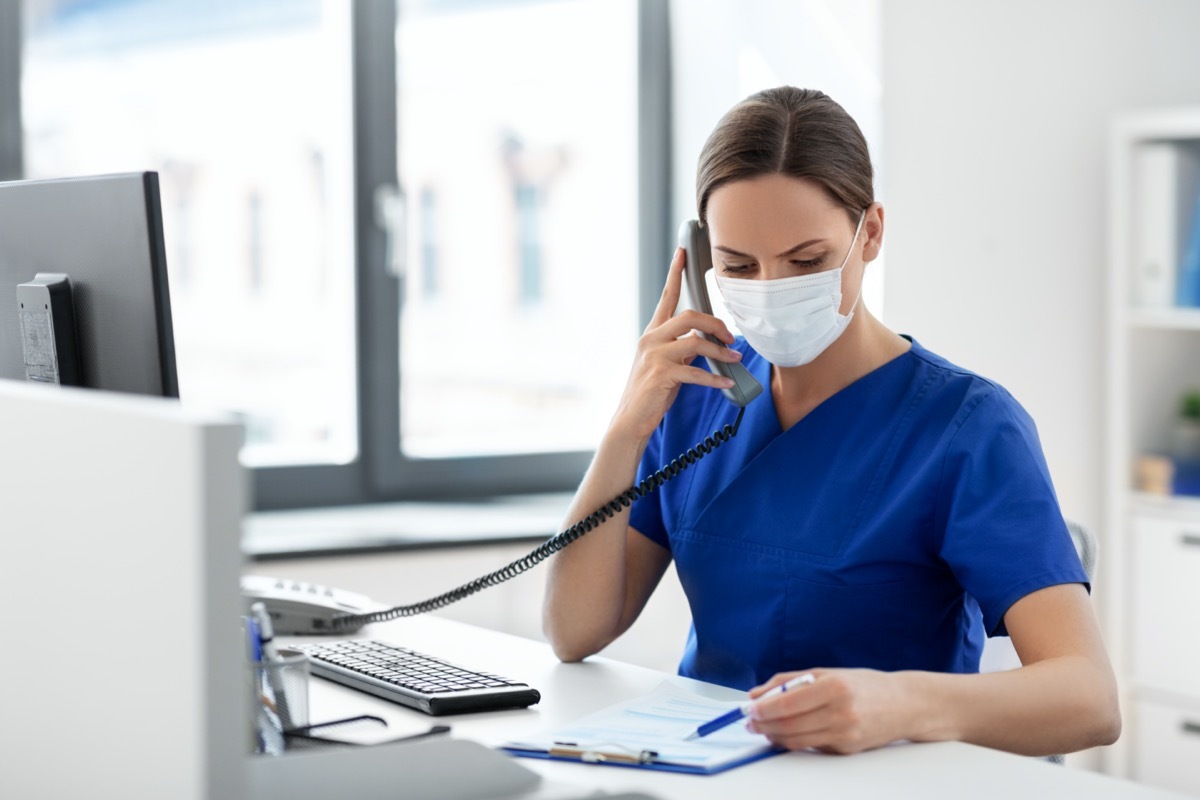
305 609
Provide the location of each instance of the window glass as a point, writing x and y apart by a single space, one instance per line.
518 159
243 107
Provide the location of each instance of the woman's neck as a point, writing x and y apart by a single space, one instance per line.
865 346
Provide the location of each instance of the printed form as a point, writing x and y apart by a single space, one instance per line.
650 731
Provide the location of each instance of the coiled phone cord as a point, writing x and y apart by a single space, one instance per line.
350 622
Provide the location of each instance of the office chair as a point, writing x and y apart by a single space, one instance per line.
998 653
1086 545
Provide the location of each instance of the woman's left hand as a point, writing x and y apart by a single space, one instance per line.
841 711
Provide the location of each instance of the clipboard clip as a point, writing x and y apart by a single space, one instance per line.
603 752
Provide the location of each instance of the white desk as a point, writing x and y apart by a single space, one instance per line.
139 481
569 691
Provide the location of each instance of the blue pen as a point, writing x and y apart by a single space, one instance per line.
270 661
253 640
733 716
268 728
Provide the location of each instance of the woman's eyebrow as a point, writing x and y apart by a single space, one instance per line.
784 254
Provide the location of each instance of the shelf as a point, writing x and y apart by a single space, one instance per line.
1168 124
1152 581
1170 696
1178 319
1173 505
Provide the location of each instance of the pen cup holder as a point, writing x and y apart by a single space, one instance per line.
279 699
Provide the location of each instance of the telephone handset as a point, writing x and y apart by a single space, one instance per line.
693 238
303 609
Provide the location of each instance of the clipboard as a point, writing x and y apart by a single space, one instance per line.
648 732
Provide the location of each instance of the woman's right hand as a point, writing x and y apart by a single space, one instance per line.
664 356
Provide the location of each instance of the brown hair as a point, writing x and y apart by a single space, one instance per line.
800 133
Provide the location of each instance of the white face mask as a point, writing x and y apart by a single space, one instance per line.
790 321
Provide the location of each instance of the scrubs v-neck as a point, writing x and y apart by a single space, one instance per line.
889 528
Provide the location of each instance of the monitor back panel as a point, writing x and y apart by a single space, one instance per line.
105 233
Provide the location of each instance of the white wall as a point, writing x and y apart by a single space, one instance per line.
995 133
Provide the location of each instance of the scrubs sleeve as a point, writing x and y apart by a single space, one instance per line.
1003 531
646 515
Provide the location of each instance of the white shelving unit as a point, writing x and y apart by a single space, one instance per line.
1150 558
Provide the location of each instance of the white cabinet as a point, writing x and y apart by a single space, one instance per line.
1166 604
1149 584
1166 751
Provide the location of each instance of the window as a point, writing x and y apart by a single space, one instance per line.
529 244
244 111
427 223
410 244
532 145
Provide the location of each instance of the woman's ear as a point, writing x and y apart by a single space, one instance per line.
873 229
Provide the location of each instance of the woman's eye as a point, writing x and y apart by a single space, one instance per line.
734 269
812 263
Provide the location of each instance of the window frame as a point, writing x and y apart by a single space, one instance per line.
382 472
11 128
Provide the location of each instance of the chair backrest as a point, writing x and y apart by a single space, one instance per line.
1087 546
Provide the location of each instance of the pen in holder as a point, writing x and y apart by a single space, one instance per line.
279 699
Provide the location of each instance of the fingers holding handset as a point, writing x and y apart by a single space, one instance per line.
665 353
668 302
680 330
665 322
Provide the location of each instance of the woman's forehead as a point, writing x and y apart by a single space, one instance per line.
771 209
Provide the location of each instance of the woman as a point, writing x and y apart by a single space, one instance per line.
879 510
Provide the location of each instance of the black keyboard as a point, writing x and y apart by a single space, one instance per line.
414 679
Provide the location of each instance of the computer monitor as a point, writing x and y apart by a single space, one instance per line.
105 234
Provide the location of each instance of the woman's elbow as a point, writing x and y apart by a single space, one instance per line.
1103 712
566 642
1108 723
569 653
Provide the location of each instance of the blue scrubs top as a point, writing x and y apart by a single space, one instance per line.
888 528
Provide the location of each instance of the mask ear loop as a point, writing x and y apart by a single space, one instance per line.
857 229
